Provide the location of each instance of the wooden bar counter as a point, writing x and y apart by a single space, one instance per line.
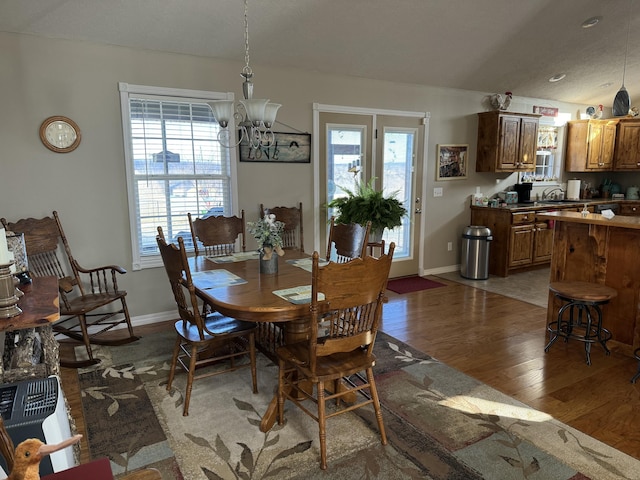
595 249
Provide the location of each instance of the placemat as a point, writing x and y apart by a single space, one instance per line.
236 257
297 295
306 263
216 278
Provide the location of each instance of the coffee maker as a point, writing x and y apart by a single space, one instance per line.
524 192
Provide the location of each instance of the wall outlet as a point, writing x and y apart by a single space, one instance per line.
449 246
437 192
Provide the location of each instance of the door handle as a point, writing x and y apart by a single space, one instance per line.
418 210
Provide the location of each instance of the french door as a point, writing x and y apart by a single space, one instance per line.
388 148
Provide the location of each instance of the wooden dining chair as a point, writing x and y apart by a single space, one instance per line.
347 240
292 237
350 316
217 235
375 249
198 335
87 294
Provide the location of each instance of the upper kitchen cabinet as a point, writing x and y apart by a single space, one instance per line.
507 141
627 153
590 145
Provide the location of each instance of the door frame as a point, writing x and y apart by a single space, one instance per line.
374 113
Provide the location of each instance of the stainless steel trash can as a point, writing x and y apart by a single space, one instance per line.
475 252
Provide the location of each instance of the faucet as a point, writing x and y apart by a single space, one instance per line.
546 195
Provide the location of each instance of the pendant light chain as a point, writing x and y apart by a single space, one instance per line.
624 70
247 68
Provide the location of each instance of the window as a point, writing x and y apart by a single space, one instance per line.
175 165
549 155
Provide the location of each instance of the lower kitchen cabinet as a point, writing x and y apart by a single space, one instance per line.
530 244
543 243
631 209
520 240
521 245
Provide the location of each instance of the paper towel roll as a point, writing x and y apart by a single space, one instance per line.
573 189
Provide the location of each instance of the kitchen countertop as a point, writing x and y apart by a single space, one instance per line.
518 207
620 221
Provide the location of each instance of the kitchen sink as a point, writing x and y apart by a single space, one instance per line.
560 201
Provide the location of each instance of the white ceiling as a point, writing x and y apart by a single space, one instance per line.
483 45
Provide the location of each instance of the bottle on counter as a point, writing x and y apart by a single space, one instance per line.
479 198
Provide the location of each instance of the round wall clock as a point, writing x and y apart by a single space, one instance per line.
60 134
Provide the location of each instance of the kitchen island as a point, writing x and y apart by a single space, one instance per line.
595 249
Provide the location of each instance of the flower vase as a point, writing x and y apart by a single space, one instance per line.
268 261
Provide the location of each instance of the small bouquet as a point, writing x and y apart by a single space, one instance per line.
268 233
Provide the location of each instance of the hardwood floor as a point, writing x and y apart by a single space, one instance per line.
500 341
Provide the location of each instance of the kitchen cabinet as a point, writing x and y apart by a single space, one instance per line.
627 151
590 145
520 239
543 242
631 209
521 245
531 242
507 142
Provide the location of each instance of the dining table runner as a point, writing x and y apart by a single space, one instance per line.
216 278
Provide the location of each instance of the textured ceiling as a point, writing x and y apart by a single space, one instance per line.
483 45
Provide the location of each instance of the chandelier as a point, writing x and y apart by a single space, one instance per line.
255 116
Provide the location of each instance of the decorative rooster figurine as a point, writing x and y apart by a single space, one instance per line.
28 454
501 103
598 113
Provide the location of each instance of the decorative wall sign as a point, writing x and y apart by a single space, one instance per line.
285 148
546 111
452 162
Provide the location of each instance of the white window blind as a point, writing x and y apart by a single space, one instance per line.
175 166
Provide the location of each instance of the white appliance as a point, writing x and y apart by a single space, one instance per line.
35 408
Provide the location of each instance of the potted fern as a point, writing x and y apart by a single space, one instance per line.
364 203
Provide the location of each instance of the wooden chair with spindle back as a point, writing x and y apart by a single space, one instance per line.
292 237
348 239
198 335
343 330
87 294
217 234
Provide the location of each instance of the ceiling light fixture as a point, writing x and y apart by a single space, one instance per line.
622 102
557 77
256 116
591 22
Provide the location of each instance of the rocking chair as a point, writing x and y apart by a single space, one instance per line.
85 293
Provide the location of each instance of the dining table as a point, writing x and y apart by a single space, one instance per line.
278 303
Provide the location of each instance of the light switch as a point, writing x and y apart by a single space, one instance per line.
437 192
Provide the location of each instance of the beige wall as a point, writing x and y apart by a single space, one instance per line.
44 77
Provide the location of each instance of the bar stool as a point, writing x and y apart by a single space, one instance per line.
636 354
585 298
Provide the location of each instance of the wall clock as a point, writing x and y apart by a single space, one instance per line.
60 134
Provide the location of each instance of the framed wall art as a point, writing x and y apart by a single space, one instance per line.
453 162
285 148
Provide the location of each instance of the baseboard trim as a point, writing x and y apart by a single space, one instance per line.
154 318
436 271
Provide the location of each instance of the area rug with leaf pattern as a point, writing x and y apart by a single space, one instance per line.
441 424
